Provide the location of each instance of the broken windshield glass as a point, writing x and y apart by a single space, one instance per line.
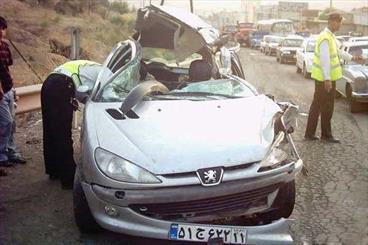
225 87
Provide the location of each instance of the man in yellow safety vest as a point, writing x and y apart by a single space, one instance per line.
325 71
58 103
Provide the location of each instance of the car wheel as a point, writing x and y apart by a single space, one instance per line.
298 70
305 73
283 205
83 217
354 105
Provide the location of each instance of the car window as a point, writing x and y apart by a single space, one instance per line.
276 39
358 50
311 46
225 87
121 72
292 42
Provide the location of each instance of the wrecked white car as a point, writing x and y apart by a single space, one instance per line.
176 145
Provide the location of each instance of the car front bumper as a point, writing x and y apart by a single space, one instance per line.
360 97
272 50
288 57
132 222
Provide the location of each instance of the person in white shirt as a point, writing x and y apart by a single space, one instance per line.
326 70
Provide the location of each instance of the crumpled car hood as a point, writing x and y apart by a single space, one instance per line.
182 136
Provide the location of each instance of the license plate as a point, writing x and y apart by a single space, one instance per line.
202 233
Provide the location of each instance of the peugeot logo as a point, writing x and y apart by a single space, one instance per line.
210 176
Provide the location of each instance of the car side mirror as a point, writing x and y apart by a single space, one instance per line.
82 93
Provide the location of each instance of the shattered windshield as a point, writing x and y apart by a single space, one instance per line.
213 89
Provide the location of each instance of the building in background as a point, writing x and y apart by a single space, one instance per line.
223 18
360 19
265 12
292 11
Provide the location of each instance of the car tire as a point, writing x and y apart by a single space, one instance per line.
83 217
354 105
283 205
306 74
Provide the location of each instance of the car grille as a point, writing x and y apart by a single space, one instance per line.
210 206
292 52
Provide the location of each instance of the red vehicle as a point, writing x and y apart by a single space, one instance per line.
242 36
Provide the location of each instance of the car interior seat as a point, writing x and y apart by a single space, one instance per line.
199 70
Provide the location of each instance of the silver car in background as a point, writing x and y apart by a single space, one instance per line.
304 57
354 83
169 158
286 51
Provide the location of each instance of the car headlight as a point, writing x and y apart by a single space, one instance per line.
275 156
285 52
120 169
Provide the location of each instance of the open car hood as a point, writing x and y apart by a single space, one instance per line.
183 136
175 29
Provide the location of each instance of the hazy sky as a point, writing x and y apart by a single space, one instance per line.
234 5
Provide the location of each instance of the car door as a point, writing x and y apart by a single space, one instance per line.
299 55
122 63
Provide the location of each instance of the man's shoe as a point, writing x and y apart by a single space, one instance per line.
3 172
67 183
53 177
6 164
19 160
311 138
331 140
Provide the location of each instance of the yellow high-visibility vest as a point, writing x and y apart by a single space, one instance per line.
71 69
335 66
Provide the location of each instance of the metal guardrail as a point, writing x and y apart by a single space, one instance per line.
29 98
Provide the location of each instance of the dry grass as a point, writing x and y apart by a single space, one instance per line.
30 28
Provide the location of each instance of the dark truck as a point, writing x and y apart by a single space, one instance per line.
242 36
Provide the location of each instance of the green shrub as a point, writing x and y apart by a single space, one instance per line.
120 7
44 24
117 20
102 11
56 19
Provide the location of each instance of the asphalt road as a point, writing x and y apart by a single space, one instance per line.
331 204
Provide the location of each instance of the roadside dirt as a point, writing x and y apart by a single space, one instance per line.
36 210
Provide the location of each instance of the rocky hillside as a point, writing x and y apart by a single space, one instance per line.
40 29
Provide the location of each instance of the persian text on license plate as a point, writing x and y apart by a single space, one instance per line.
202 233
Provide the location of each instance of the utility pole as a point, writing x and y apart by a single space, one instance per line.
162 2
330 4
191 6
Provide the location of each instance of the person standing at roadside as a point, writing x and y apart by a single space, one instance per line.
325 71
8 152
58 103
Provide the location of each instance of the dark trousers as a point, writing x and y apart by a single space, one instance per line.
322 104
57 115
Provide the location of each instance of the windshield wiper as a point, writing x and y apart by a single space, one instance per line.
205 94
